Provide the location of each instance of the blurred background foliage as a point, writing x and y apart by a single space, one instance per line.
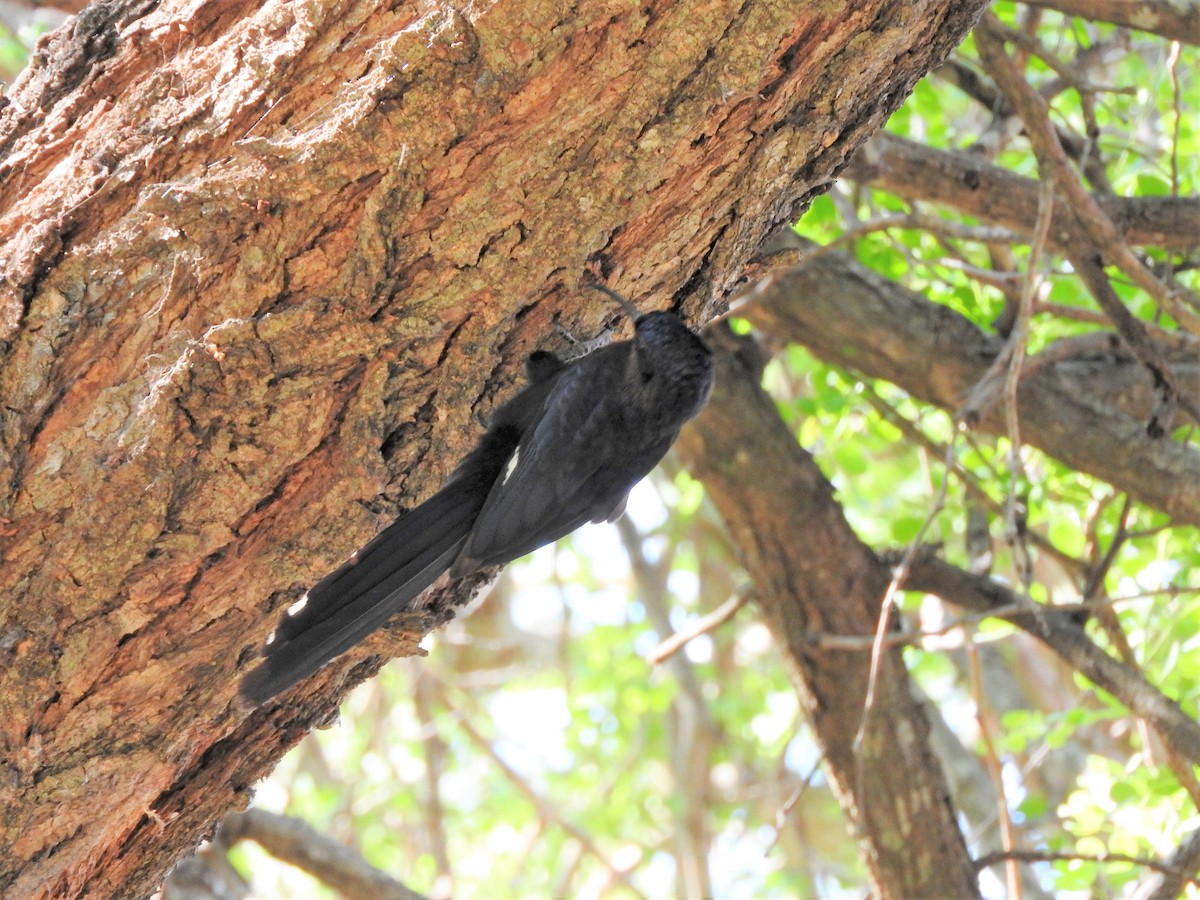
20 27
538 751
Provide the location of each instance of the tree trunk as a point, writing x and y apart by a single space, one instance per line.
812 576
261 263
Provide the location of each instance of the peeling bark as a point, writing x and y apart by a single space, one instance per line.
261 268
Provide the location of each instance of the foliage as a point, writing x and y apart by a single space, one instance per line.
18 34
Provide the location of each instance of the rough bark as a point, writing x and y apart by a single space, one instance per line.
261 268
812 574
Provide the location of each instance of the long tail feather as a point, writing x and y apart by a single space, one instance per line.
381 580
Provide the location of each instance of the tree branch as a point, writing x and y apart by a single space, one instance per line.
1034 856
299 844
850 316
963 181
1102 237
1174 20
1060 632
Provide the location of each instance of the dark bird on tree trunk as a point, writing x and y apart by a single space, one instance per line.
564 451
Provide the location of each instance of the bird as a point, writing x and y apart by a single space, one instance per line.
565 450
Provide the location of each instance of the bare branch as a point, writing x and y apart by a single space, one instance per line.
680 639
850 316
1034 856
1177 21
1066 638
299 844
965 182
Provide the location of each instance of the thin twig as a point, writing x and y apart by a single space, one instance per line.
1173 69
899 576
703 625
790 803
991 762
1018 341
1036 856
1008 362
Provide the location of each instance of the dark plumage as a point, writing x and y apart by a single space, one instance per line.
564 451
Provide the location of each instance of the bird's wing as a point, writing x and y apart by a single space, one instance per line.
574 465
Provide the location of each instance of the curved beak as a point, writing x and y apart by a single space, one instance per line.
630 310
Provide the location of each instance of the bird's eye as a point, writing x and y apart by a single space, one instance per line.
646 376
